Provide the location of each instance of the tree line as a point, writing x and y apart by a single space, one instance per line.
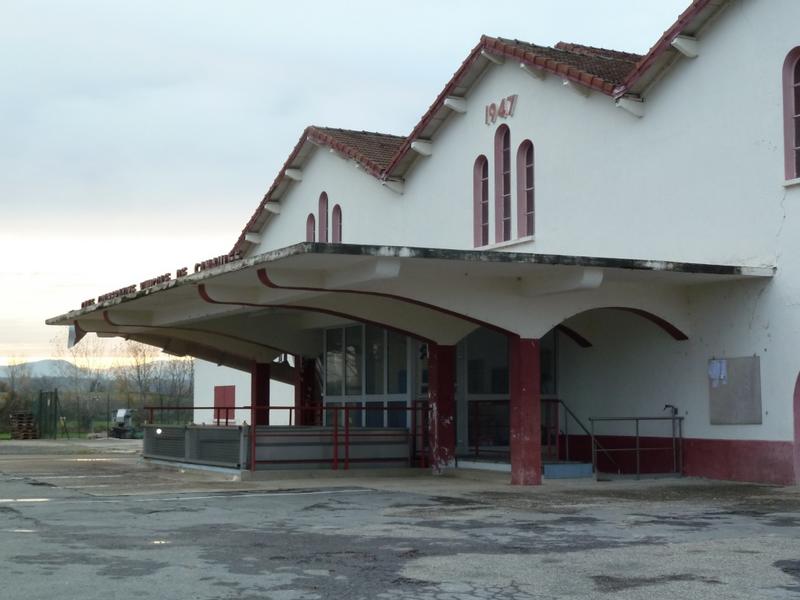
94 378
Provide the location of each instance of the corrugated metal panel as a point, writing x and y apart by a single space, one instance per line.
170 443
215 445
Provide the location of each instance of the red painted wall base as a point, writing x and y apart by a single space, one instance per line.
731 460
740 460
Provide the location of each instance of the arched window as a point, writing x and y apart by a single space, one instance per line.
502 184
323 217
480 201
310 227
525 195
791 113
336 225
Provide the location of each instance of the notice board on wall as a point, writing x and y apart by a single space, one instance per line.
734 386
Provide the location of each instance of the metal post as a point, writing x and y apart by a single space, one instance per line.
556 423
252 436
637 448
674 455
594 450
477 420
335 463
566 434
680 445
346 437
415 450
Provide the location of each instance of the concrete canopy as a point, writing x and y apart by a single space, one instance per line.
257 308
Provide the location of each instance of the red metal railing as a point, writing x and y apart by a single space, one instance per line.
338 418
489 428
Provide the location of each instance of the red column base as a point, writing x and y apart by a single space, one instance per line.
525 380
441 392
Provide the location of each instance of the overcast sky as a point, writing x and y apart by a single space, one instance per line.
138 137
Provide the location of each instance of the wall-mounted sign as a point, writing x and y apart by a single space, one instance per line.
148 283
502 109
216 261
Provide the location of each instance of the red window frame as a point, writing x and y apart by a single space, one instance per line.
480 199
525 189
323 217
502 184
336 225
791 114
311 226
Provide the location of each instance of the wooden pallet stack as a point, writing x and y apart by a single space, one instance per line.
23 426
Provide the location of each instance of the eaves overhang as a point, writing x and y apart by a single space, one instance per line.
259 308
308 256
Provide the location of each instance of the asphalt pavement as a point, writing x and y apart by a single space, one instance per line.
92 520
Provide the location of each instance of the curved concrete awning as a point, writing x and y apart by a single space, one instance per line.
254 309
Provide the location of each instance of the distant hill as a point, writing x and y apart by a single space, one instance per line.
41 368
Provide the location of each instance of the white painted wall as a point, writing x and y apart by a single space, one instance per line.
693 166
698 179
208 375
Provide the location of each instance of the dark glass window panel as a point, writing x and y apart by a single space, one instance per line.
331 416
374 355
796 100
487 367
397 415
355 414
353 360
797 72
548 360
334 363
488 423
797 163
397 363
797 132
373 414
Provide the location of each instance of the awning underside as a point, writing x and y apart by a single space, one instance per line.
255 309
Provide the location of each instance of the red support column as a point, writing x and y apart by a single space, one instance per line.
306 396
259 393
526 411
797 431
442 396
297 417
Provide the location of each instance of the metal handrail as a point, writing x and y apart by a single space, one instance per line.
339 427
568 412
677 441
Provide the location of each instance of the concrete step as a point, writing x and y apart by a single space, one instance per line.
566 470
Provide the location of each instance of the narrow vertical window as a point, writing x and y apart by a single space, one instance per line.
336 225
502 184
310 227
525 193
480 199
791 113
323 217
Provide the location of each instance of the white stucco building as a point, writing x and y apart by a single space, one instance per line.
568 234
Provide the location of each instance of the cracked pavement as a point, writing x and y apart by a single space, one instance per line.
100 523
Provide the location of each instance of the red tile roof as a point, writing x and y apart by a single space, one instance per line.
593 51
373 150
583 59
